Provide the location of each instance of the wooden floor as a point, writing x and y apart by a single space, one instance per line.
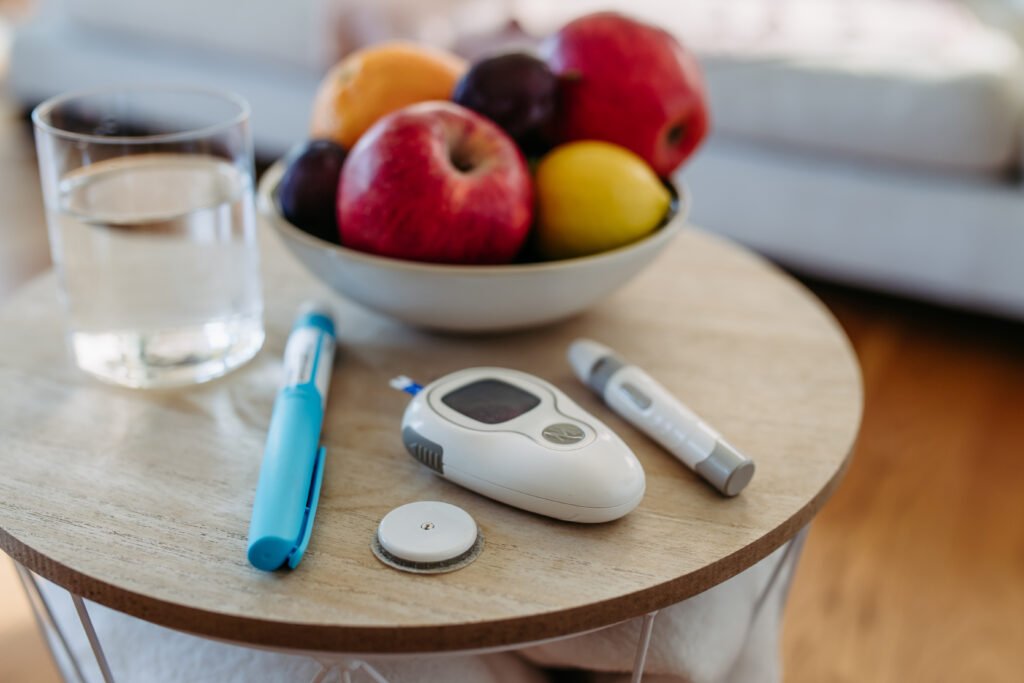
23 655
23 253
913 572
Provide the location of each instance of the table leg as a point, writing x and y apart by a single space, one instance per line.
90 633
786 564
321 675
45 621
326 667
370 671
796 551
640 660
782 573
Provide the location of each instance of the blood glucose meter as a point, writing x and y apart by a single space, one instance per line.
517 439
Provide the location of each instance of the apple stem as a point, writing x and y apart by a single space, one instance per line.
461 162
676 133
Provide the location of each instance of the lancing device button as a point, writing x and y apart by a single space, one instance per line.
427 532
638 397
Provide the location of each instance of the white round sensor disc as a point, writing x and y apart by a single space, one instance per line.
427 537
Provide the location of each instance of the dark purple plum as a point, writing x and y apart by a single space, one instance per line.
308 192
516 90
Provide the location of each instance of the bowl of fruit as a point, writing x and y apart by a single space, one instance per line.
508 193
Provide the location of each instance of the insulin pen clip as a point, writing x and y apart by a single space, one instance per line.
293 460
649 407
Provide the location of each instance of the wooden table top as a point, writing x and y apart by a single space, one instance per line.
141 500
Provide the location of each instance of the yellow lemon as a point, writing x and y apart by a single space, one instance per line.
593 196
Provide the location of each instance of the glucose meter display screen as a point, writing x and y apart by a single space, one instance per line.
491 401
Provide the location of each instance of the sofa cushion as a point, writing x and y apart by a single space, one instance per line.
913 81
951 238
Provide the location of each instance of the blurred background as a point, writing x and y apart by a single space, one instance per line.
839 125
872 147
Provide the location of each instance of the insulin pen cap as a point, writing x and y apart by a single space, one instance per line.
316 314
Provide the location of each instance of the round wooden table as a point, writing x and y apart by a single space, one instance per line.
141 500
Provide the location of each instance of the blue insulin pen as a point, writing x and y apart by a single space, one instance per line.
293 460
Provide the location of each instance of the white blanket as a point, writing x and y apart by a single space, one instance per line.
728 634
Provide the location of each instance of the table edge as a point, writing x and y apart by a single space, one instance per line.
419 639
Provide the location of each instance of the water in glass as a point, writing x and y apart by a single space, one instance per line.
159 252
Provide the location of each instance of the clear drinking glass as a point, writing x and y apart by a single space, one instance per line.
149 202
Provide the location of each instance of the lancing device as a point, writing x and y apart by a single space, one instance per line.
649 407
293 459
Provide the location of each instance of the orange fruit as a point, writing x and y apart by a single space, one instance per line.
378 80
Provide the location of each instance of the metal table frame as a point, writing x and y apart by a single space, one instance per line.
328 661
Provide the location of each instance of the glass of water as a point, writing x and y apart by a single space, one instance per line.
149 203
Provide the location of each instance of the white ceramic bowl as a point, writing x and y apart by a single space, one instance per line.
467 298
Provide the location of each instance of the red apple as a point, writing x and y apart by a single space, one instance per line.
629 83
436 182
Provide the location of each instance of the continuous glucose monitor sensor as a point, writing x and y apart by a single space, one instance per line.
517 439
427 537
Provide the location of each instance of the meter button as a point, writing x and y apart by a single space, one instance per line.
563 433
